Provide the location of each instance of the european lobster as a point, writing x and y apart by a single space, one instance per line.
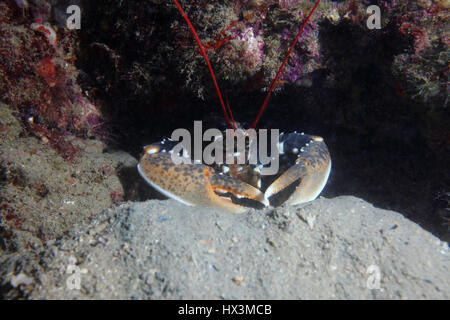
304 163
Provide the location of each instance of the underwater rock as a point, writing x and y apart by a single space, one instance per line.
166 250
39 79
42 195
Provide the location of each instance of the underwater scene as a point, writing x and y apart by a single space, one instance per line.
219 149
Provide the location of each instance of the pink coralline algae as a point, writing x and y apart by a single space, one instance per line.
46 30
46 69
252 53
423 71
305 55
39 78
251 42
255 36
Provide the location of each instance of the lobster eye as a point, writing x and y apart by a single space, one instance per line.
317 139
151 149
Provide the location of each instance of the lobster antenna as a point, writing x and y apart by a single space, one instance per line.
229 110
266 100
202 50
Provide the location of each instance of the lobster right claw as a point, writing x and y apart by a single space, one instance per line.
197 184
306 178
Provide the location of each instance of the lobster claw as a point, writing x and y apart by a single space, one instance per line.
197 184
304 180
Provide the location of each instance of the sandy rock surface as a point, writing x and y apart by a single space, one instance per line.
42 195
165 250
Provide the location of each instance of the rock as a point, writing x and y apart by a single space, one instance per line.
21 279
42 195
9 126
165 250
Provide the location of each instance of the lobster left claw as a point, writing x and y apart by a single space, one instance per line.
197 184
309 168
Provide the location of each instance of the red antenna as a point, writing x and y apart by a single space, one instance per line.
229 109
266 100
202 50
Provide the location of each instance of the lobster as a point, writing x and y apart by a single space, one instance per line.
304 162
